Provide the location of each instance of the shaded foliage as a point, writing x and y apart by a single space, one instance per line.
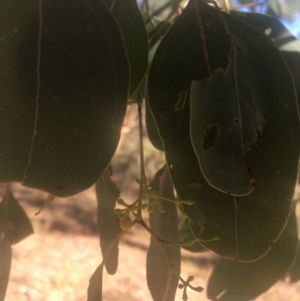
221 102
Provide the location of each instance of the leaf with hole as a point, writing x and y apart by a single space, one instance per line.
244 225
228 114
64 82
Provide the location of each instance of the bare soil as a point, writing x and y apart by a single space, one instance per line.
55 263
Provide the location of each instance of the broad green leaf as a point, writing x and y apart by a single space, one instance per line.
245 225
186 235
162 282
294 271
64 79
272 27
5 263
108 222
95 286
228 114
236 281
134 33
14 222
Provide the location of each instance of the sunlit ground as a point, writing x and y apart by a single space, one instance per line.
56 266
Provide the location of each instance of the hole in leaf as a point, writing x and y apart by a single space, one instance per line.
181 102
268 31
210 138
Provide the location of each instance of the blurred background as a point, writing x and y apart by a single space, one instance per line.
55 263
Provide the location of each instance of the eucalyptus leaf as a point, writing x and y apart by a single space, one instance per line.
186 235
152 130
294 271
134 33
14 222
64 82
95 285
14 227
245 225
162 281
5 264
236 281
292 58
108 222
228 113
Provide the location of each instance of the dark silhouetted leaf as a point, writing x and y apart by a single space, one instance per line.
186 235
293 60
14 227
63 93
162 282
236 281
134 33
14 222
152 130
5 263
108 222
245 225
95 286
228 113
294 272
